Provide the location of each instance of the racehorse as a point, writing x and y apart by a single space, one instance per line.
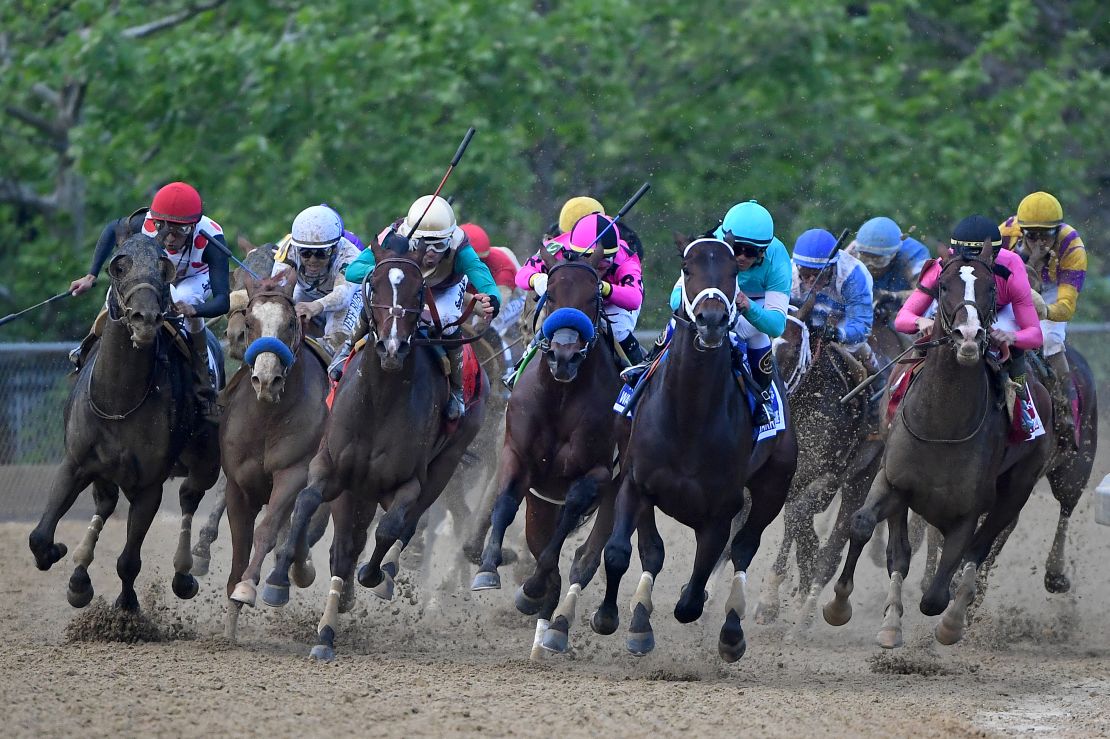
385 442
559 443
271 430
129 423
834 455
947 458
690 453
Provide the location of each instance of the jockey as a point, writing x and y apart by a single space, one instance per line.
176 221
1016 322
622 287
842 308
502 263
450 266
319 254
894 260
1038 233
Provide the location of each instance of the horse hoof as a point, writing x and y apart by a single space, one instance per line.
889 638
526 604
641 644
200 564
837 613
384 589
486 581
245 593
47 555
766 613
275 595
322 653
1056 582
185 586
303 573
557 638
79 593
947 634
604 622
732 652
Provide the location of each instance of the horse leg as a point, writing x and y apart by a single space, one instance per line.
302 572
473 546
641 637
286 484
852 496
540 521
618 552
144 506
202 550
68 483
396 525
898 566
504 511
80 589
767 609
956 540
184 584
579 498
587 557
241 515
1067 486
881 501
351 517
711 541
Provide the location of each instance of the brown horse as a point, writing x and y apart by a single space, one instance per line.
385 443
946 457
834 456
690 454
130 421
271 430
560 437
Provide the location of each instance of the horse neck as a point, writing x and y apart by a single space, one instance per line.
691 374
121 373
950 399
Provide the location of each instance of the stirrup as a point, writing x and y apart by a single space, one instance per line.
335 369
631 375
456 406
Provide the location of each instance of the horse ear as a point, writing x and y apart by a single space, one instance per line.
119 266
249 284
547 257
121 231
987 255
169 271
417 254
245 245
681 241
596 256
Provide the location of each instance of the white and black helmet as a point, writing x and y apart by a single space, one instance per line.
317 227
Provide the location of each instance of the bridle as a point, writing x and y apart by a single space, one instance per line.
394 310
947 322
545 340
689 306
267 343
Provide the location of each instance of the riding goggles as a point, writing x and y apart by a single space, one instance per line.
1040 234
175 229
439 246
322 253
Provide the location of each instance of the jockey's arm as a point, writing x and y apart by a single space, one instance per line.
625 287
1029 334
1070 274
769 316
532 267
107 241
342 290
468 263
918 302
219 280
357 270
858 313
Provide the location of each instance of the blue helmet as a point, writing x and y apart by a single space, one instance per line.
812 249
748 222
879 236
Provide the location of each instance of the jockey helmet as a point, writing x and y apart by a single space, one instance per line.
749 223
879 236
317 227
589 227
1040 210
575 208
478 239
813 247
437 225
177 202
970 233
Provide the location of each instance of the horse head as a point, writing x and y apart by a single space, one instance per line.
260 260
141 275
395 298
273 333
709 288
574 304
966 303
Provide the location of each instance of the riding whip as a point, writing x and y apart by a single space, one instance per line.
621 213
450 168
860 387
12 316
219 245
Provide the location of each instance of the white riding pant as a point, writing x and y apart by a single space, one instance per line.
755 338
449 304
622 320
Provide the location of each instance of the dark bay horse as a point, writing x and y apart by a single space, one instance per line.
559 443
946 458
385 443
271 430
834 455
129 422
690 454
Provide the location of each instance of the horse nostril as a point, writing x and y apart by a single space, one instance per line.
256 383
403 348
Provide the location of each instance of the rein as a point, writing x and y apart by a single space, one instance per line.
969 437
122 304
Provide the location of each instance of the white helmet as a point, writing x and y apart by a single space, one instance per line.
317 227
439 223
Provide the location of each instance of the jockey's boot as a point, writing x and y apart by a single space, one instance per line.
202 381
631 375
456 406
763 372
1017 375
513 373
632 349
343 351
1063 394
78 355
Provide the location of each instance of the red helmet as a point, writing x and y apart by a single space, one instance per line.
478 238
177 202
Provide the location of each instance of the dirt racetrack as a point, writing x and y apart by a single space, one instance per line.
436 663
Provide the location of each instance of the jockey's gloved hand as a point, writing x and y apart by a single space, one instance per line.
831 332
539 283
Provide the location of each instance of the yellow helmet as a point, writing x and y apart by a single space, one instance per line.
575 208
1039 210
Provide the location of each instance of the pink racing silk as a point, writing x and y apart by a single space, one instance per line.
1013 291
622 272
